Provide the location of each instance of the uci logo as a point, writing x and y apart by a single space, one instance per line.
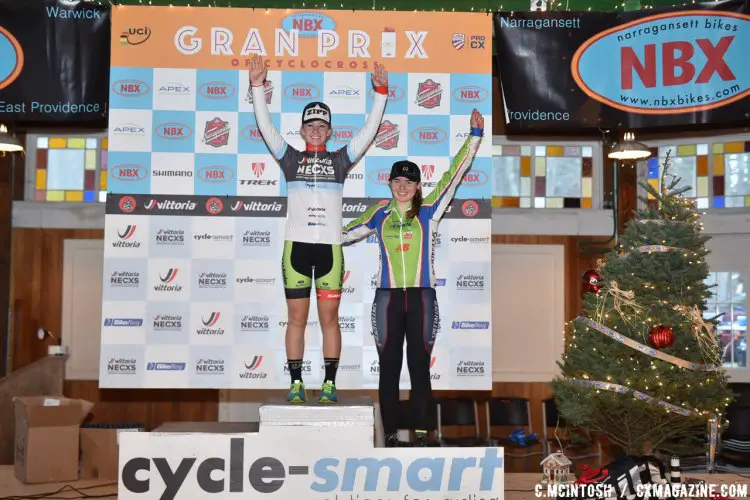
11 58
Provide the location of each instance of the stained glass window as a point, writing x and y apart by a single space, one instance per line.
729 303
689 162
70 168
716 169
543 176
731 174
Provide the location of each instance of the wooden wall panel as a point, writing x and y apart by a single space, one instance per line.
148 407
37 287
37 302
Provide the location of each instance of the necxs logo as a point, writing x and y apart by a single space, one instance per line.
241 472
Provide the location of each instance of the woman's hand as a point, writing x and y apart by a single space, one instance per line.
379 76
477 120
258 71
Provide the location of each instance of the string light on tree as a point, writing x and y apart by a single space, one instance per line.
651 358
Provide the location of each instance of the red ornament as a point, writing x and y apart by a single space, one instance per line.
661 336
591 281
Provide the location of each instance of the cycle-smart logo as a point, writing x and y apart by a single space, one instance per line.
233 471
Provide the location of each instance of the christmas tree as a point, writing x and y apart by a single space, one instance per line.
642 365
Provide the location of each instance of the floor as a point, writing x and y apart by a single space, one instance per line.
517 486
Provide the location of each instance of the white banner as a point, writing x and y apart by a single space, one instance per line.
193 297
210 466
193 291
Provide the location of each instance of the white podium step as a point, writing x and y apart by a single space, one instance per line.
351 420
351 411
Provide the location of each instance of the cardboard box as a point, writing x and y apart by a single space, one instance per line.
100 451
47 438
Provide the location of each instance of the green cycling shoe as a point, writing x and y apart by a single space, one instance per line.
297 394
328 393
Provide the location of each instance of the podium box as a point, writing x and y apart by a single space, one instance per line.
353 418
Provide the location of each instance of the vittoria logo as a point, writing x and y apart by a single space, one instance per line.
429 94
256 206
254 363
155 204
217 90
387 136
253 369
434 375
168 281
216 133
125 238
209 323
458 40
267 87
427 171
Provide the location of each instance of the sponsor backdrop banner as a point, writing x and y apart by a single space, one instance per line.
193 293
323 465
640 69
54 61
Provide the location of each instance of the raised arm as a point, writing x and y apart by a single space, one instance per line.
362 225
440 197
273 138
364 138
